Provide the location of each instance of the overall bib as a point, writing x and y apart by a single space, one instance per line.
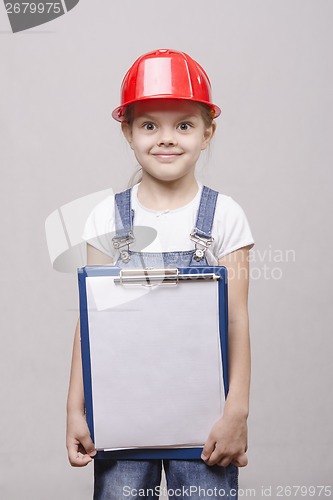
134 479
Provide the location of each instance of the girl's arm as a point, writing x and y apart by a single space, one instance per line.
227 441
80 447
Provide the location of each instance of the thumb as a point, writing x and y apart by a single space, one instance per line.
208 449
88 445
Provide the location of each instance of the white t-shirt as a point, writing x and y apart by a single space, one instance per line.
169 230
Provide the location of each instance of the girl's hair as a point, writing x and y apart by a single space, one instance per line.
207 116
135 178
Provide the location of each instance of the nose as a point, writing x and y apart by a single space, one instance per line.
167 137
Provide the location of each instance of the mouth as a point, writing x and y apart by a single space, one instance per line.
166 156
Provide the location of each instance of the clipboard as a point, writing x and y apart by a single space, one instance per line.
111 299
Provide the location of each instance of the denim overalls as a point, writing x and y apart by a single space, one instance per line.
117 479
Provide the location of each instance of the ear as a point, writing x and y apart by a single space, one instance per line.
208 135
127 131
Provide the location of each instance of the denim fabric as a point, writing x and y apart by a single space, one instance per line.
134 479
196 480
205 217
161 260
114 478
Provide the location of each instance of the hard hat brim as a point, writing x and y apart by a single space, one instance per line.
119 112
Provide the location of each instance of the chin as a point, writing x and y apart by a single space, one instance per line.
168 174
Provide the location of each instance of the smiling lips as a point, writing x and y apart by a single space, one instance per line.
166 156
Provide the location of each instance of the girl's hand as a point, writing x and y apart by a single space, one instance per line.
80 447
227 442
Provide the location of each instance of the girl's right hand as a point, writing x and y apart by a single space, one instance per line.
80 447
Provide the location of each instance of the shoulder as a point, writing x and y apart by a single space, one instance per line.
102 215
231 229
104 207
227 206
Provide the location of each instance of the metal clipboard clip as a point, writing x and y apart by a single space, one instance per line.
152 277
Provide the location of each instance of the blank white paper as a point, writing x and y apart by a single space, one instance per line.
155 363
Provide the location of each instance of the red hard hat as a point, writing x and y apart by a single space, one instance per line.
165 74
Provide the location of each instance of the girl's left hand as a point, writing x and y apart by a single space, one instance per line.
227 442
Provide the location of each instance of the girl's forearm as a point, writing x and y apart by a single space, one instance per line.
75 400
239 367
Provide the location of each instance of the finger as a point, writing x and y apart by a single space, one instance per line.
88 445
224 462
77 459
240 460
83 451
219 458
208 449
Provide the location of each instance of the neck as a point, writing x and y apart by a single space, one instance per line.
161 195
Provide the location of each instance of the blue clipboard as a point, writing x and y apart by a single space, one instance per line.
184 274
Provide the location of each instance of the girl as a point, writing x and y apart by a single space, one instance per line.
167 117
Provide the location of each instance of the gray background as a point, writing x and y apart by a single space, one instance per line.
270 63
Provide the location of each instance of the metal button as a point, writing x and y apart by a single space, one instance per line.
125 257
199 254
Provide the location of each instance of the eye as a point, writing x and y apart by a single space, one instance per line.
184 126
149 126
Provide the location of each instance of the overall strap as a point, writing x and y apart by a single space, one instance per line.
124 216
206 212
202 233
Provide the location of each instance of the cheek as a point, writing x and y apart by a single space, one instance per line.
141 142
194 143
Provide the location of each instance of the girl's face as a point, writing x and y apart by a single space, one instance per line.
167 137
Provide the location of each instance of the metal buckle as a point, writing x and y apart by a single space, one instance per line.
205 242
201 245
119 243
